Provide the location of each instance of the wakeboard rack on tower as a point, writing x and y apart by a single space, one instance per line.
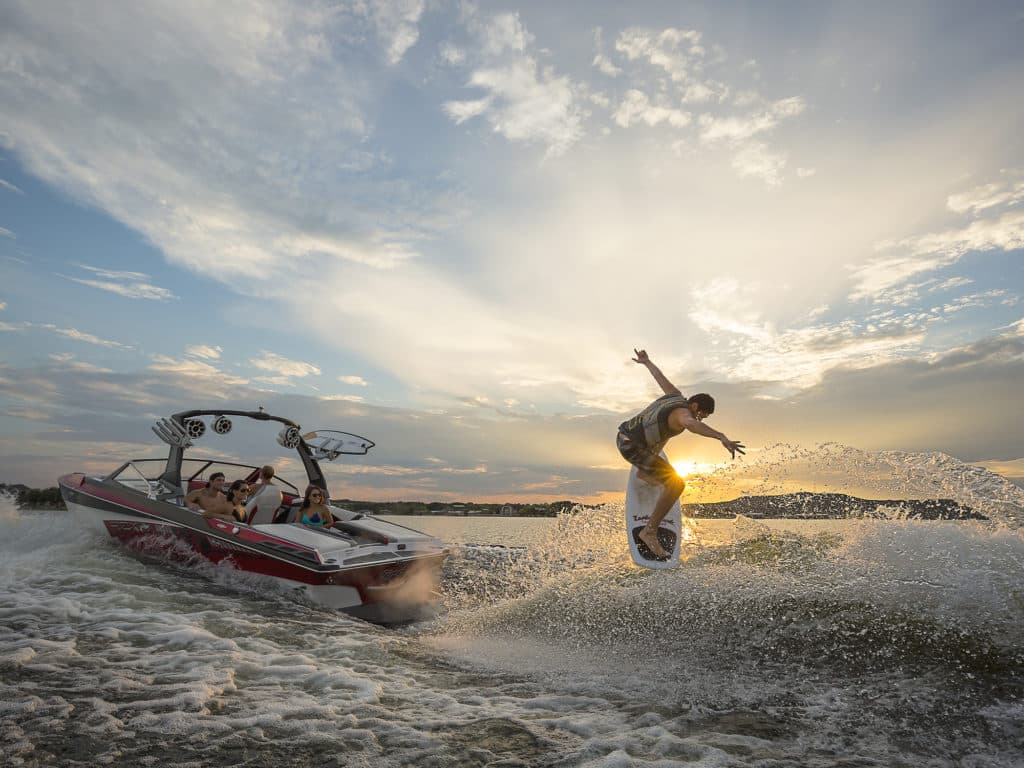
182 429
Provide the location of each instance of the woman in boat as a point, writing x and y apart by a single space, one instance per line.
314 511
236 496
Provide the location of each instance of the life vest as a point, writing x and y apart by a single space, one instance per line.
650 426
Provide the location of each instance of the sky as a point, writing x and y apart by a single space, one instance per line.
447 225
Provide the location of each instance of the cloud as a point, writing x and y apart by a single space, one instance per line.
605 65
3 306
637 108
283 367
77 335
8 186
740 128
676 51
796 358
500 33
451 54
194 369
205 351
357 381
460 111
757 161
1003 193
396 23
29 414
344 398
877 278
4 232
601 61
132 285
525 103
252 145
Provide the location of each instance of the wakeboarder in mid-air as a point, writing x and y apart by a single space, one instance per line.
641 439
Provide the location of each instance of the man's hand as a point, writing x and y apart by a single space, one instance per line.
733 446
641 356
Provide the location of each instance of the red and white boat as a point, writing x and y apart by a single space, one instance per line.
365 566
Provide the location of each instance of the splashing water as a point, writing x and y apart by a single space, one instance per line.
856 623
848 642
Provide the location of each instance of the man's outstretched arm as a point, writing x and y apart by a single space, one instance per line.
700 428
666 386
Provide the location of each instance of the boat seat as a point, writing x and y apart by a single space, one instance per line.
290 514
262 508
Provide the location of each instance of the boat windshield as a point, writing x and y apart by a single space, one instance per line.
144 474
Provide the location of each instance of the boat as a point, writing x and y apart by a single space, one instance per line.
365 566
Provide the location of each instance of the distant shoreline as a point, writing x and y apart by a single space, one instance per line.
801 505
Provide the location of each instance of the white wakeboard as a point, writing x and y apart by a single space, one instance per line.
640 500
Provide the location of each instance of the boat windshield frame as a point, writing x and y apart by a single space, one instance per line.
171 475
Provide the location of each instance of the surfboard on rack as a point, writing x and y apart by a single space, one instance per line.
640 500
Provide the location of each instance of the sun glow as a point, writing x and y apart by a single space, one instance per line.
685 468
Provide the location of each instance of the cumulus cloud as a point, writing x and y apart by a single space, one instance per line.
460 111
525 102
4 232
637 108
757 161
356 381
8 186
676 51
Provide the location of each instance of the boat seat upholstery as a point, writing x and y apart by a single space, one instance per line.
262 507
292 513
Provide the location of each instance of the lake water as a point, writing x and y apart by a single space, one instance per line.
786 643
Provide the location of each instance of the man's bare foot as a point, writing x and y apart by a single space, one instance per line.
650 538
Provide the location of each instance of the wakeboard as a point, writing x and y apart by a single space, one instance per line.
640 500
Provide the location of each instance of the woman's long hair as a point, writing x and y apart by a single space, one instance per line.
309 489
231 499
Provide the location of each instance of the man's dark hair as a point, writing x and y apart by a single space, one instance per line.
705 402
213 477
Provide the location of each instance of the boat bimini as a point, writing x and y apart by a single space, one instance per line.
363 565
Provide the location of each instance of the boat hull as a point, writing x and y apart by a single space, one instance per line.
399 590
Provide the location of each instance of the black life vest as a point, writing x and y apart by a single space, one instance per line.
650 426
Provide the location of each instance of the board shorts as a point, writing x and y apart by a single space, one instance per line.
644 458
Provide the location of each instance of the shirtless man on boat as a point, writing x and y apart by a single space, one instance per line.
210 497
641 439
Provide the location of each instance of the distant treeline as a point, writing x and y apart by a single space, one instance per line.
834 505
457 508
787 505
